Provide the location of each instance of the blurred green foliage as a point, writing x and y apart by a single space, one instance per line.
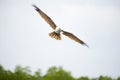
53 73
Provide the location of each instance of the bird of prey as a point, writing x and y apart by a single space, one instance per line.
57 31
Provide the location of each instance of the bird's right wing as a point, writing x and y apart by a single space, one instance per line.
45 17
73 37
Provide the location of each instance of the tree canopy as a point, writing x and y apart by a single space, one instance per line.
53 73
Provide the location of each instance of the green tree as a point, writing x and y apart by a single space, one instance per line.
104 78
63 75
118 78
6 74
38 75
54 73
2 72
83 78
22 73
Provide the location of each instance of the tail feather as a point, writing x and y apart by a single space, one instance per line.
55 35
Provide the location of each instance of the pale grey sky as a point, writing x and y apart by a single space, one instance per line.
24 36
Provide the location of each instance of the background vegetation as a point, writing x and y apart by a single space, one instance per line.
53 73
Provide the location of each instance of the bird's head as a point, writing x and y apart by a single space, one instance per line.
58 30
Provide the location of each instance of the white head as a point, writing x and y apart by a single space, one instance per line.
58 30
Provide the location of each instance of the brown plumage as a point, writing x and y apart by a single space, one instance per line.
57 31
55 35
45 17
73 37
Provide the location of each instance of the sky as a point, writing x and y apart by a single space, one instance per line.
24 38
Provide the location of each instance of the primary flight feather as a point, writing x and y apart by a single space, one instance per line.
57 31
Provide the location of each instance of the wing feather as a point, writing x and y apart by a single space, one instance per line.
73 37
45 17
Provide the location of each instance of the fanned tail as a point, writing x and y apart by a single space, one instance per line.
55 35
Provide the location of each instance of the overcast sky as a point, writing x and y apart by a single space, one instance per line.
24 38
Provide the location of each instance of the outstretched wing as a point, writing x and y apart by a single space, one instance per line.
73 37
45 17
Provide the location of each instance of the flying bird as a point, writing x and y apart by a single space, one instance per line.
57 31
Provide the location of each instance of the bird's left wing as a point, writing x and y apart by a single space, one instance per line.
45 17
73 37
